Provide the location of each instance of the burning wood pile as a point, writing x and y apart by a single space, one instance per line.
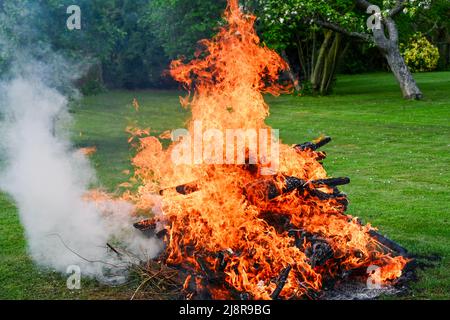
232 230
204 272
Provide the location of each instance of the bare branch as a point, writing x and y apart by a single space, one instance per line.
337 28
399 6
363 4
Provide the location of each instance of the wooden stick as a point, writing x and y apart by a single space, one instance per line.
313 146
281 282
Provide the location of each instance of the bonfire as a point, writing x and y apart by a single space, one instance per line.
252 226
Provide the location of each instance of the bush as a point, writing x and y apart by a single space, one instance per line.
91 83
420 54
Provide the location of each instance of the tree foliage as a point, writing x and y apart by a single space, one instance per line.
350 18
129 43
179 25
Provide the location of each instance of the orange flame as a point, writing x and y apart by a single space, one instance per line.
136 105
227 80
88 151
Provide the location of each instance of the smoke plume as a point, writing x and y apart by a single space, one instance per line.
47 178
48 181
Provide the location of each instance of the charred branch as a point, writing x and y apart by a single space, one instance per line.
146 224
291 183
319 250
184 189
332 182
313 146
319 253
210 275
113 249
298 238
327 196
391 245
281 282
336 195
149 228
266 190
222 261
279 222
187 188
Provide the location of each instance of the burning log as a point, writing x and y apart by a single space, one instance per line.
149 228
388 243
187 188
331 182
280 222
391 245
266 190
326 196
210 275
222 260
291 183
313 146
340 197
183 189
201 284
281 282
146 224
319 253
319 250
297 234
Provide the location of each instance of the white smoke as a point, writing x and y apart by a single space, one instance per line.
48 180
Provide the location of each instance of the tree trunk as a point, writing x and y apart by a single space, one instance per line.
319 65
390 49
301 58
385 37
330 65
401 72
313 55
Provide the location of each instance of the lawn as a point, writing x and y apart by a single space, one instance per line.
396 152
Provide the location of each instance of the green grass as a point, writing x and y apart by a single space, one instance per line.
396 152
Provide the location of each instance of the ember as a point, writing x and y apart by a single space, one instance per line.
230 230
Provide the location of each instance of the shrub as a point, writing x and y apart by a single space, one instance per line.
420 54
91 83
